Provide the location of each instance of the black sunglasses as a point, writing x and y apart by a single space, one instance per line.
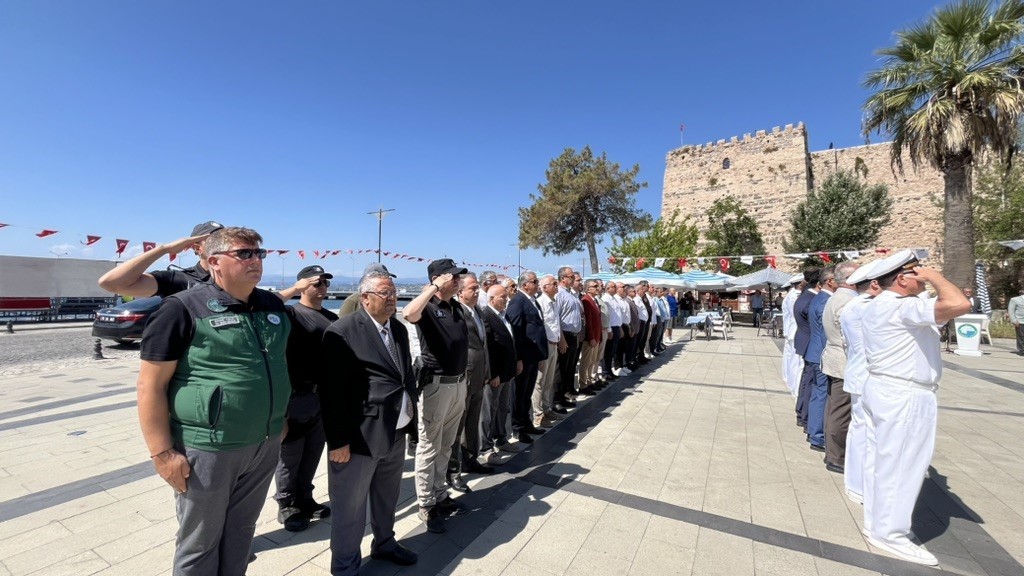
245 253
323 282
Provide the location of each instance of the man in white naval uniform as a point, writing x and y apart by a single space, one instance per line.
792 363
851 324
901 343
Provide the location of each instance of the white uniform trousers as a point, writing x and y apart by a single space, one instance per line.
792 367
901 419
856 444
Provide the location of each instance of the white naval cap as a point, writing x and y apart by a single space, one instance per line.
795 280
895 262
862 274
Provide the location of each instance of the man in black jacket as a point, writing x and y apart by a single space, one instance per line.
803 338
524 314
504 364
367 400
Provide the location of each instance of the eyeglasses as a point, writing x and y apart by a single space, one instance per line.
245 253
385 294
325 283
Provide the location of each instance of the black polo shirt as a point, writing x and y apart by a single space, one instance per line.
170 281
444 341
304 361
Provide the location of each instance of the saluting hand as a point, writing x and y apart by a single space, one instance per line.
184 243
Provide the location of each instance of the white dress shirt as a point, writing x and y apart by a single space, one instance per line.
901 338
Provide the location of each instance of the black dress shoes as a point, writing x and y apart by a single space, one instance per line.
534 430
478 468
837 468
559 409
398 555
817 448
458 484
450 507
524 438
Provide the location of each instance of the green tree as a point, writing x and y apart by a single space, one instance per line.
949 89
670 238
585 198
732 231
844 213
999 215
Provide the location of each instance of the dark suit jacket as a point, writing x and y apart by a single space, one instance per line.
803 328
501 348
528 329
478 361
815 314
361 397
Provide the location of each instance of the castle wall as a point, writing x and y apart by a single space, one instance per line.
771 171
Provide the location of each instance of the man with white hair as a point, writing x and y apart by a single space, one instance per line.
833 364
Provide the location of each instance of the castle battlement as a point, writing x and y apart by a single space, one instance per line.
761 135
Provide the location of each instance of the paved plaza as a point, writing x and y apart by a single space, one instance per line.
694 465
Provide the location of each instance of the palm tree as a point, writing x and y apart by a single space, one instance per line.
950 93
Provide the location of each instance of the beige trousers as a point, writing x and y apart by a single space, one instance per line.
440 407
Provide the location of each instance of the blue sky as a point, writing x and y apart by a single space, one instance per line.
137 120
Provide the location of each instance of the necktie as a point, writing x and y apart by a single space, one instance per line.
392 348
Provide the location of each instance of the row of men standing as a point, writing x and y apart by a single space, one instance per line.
864 341
220 350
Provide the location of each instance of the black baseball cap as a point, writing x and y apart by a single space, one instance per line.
311 271
444 266
206 228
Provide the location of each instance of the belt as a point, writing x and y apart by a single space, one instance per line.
903 383
439 379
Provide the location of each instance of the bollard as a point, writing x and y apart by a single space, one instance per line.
98 351
10 326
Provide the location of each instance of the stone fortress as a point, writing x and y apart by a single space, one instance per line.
771 171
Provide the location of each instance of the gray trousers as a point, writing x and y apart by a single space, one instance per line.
467 438
350 484
494 417
218 511
441 407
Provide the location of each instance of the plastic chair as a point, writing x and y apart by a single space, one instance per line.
984 331
720 324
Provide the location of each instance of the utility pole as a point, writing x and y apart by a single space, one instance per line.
380 212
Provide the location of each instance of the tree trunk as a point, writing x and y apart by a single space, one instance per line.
592 251
958 233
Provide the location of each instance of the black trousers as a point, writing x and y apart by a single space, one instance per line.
300 455
610 348
567 366
803 400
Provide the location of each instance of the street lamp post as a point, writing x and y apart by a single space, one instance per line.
380 223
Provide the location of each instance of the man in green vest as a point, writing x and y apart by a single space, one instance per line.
212 392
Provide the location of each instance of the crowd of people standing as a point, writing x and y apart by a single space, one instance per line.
862 358
236 388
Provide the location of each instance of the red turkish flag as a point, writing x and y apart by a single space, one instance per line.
611 259
172 257
682 263
147 246
640 263
121 245
825 257
316 253
771 261
302 254
46 233
724 264
90 240
335 252
282 252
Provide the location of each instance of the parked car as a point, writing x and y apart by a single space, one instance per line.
124 323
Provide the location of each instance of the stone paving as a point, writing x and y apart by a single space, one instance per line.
692 466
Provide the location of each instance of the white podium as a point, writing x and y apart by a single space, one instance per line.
968 334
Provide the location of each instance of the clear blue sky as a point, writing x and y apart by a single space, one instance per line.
139 119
